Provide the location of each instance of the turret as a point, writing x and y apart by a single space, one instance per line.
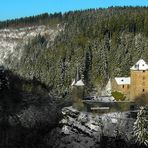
139 80
77 91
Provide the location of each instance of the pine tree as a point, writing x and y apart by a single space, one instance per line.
141 126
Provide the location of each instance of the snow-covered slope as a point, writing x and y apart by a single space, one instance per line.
12 40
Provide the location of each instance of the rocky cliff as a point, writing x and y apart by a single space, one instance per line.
85 130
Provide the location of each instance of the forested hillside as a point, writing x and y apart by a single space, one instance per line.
32 20
103 43
39 57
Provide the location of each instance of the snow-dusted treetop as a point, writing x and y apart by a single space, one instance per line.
140 65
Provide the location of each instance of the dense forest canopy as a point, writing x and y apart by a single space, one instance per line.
103 43
132 19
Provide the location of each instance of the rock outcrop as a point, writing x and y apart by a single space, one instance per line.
84 130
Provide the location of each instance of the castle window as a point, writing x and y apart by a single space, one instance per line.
122 86
127 86
136 66
143 90
143 70
143 78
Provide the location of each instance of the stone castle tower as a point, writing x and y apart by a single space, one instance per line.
77 91
136 85
139 79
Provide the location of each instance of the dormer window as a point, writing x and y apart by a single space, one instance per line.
136 66
142 64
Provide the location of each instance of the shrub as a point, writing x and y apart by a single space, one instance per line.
118 96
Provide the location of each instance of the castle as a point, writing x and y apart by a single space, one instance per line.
135 86
134 90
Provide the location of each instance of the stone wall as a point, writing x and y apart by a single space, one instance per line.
139 84
125 89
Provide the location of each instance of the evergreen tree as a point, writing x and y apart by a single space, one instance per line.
141 126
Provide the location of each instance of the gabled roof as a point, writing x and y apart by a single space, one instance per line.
79 83
123 80
140 65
